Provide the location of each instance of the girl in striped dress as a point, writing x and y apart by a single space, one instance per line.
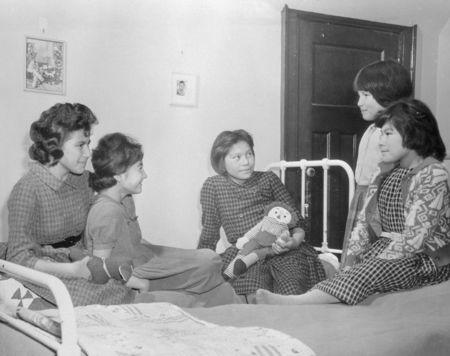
401 238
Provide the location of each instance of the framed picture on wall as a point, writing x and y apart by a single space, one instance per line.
45 65
184 89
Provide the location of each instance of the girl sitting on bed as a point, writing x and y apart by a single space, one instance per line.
112 230
235 200
401 238
48 206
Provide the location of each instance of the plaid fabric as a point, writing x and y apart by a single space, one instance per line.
390 202
44 210
376 275
3 249
237 208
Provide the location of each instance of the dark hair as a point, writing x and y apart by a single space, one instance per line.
222 145
417 125
387 81
50 131
114 154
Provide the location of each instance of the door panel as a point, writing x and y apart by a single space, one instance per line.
320 118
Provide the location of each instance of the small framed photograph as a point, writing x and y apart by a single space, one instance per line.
184 89
45 65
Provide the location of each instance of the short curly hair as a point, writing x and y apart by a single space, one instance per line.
114 154
222 145
54 125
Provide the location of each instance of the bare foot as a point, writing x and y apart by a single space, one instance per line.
263 296
143 285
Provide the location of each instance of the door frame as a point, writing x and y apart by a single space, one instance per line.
291 98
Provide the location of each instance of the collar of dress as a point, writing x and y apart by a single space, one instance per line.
49 179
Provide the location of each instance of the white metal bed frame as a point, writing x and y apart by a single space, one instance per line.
68 346
325 163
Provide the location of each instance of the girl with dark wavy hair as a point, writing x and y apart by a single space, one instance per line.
48 206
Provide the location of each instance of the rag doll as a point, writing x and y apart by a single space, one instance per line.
256 244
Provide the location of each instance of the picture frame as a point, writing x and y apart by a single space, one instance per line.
184 89
45 65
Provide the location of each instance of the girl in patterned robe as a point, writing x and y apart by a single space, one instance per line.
401 238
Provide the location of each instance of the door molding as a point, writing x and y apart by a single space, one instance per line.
291 97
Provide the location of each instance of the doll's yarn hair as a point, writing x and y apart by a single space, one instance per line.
114 154
294 215
54 126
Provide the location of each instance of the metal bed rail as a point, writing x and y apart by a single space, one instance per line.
325 163
69 339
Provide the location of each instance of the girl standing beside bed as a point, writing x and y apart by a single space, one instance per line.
402 236
235 200
378 84
112 230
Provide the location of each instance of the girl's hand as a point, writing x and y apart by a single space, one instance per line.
288 242
283 245
80 268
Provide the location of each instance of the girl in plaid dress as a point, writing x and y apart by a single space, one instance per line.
378 84
49 205
235 200
401 238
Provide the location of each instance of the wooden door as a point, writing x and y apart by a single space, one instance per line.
320 118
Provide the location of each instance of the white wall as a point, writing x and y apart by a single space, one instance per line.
121 54
443 84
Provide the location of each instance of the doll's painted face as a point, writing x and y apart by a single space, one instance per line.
281 214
